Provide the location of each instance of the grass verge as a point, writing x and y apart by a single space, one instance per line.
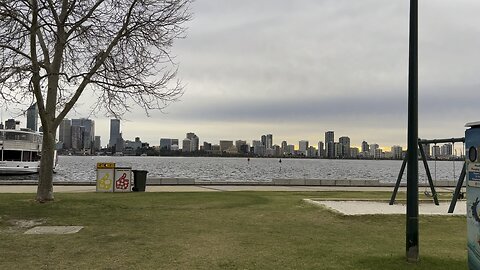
219 230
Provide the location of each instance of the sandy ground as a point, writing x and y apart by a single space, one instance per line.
382 207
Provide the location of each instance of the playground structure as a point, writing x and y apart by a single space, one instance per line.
458 189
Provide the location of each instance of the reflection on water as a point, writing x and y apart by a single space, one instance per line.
73 168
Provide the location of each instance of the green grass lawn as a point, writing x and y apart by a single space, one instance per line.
219 230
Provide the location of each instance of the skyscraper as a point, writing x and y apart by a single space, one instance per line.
330 144
65 133
345 143
264 140
194 141
321 150
303 147
88 133
365 147
114 131
269 142
32 117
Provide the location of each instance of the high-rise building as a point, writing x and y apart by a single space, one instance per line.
187 145
77 137
365 147
194 141
397 152
88 130
114 131
32 117
239 144
321 150
303 146
373 150
329 144
284 147
345 146
165 144
97 145
426 149
446 150
264 140
354 152
269 142
435 151
225 145
65 133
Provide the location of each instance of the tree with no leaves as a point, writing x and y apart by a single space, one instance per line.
117 52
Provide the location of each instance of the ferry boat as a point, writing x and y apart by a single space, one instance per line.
20 151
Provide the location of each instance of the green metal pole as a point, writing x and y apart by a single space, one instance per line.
412 140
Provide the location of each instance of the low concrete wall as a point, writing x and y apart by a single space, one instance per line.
274 182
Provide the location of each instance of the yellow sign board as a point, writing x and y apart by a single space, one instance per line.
105 165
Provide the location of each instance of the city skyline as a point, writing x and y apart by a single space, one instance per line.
265 69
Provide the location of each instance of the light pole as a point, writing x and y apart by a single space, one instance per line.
412 138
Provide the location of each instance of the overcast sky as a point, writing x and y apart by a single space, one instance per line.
296 69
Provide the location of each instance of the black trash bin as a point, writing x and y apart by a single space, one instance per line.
139 180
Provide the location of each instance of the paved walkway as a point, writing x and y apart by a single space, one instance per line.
198 188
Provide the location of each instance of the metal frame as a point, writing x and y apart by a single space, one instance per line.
460 181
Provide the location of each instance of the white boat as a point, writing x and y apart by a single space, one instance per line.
20 151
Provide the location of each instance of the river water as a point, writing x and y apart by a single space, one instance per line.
82 168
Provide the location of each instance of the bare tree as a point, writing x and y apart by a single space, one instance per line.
117 51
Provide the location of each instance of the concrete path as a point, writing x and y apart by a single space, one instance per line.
198 188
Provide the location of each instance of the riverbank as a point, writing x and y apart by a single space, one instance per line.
274 182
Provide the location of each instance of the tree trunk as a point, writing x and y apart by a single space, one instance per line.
45 181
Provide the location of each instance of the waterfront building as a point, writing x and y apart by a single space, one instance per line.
225 145
397 152
303 146
311 152
321 150
194 141
88 135
165 144
354 152
284 147
186 145
244 149
114 132
345 146
373 149
207 147
11 124
446 150
338 150
32 117
97 145
259 150
269 141
175 142
65 133
119 144
426 149
329 144
216 149
435 151
256 143
379 154
239 144
290 149
264 140
77 137
365 147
